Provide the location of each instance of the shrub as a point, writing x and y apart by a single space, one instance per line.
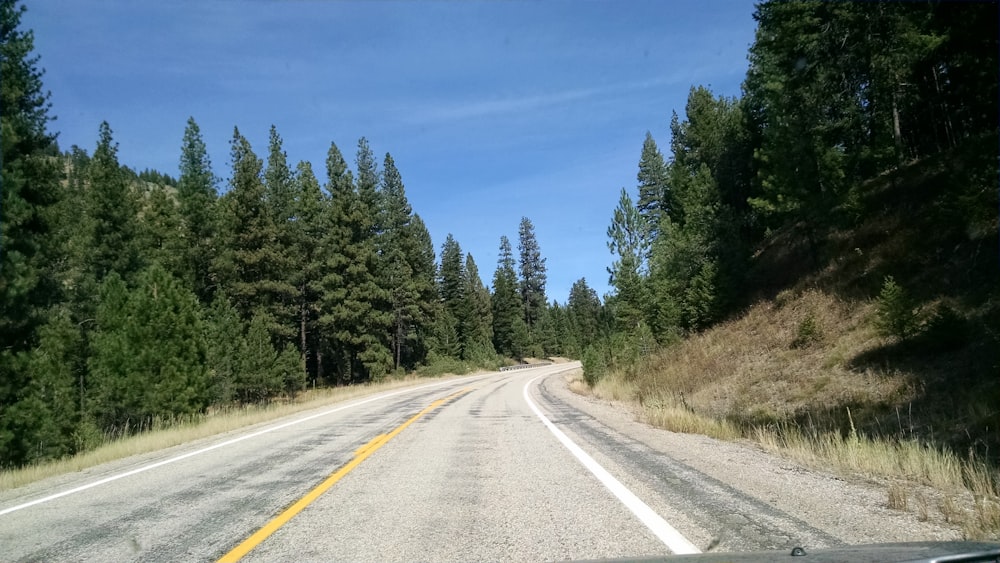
594 366
808 332
438 365
894 316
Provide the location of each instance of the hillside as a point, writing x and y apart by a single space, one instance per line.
921 229
804 357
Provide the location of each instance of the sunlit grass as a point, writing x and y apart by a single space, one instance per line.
751 377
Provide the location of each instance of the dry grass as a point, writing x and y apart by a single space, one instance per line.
782 375
615 388
679 419
574 380
762 368
201 427
907 459
898 497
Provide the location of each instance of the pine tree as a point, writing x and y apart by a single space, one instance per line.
283 260
279 182
368 183
355 320
112 207
628 239
477 318
225 349
252 265
30 187
654 198
700 256
198 198
72 237
451 276
262 370
584 309
399 256
505 302
522 346
148 353
55 369
424 274
445 342
546 335
311 223
566 343
29 245
161 238
532 270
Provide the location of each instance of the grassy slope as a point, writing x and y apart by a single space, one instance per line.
803 370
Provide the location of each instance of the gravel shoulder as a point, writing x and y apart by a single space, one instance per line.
854 511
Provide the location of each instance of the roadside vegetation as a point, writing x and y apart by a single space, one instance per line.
160 433
814 266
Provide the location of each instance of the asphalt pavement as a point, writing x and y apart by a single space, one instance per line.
462 470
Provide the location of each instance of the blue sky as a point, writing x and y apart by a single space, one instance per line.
491 110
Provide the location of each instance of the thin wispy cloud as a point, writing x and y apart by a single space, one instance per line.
456 110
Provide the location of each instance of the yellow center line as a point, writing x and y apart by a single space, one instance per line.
360 455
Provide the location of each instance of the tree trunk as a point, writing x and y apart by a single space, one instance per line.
303 333
897 135
399 340
319 364
948 129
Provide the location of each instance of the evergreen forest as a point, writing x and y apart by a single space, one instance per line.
131 297
859 163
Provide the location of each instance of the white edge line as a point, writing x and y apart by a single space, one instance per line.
656 524
222 445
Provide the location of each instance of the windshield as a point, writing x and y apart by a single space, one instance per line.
720 276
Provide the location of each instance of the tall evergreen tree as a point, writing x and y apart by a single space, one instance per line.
356 319
477 318
113 207
263 372
399 254
311 223
28 243
505 301
700 256
654 197
584 308
284 262
250 265
424 274
368 183
532 270
451 276
628 239
197 197
30 187
279 182
225 350
51 406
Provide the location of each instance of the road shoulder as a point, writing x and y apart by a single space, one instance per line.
854 511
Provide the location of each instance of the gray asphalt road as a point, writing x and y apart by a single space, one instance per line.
477 478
